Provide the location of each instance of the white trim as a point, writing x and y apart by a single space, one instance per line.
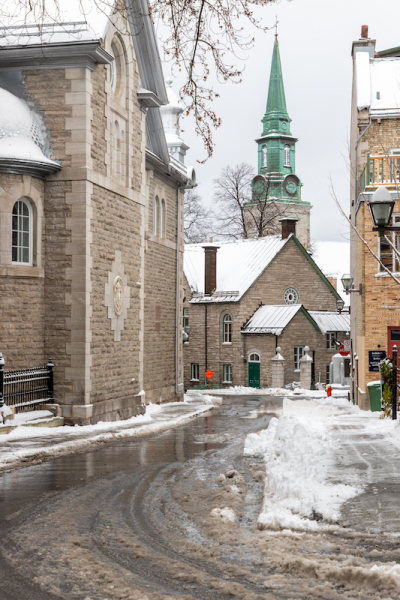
28 204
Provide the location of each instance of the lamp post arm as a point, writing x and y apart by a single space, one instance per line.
354 228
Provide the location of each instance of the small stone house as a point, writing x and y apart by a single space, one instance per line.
245 298
91 212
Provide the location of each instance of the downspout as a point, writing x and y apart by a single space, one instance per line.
205 337
355 166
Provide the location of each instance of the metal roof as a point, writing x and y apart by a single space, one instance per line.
271 319
331 321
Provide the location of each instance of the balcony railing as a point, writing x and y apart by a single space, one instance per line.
380 170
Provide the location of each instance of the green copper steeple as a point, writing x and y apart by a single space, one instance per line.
277 146
276 103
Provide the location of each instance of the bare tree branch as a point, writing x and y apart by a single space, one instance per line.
198 219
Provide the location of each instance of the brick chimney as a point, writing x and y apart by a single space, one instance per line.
288 226
210 269
364 32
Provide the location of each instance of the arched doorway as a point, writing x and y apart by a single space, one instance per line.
254 370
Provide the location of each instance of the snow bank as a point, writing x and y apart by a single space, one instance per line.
299 451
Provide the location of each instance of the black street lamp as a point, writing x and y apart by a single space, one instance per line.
381 207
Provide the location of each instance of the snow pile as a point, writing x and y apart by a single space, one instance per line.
299 451
226 514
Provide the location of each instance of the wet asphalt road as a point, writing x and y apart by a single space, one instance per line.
135 520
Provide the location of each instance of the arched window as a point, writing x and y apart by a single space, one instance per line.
156 216
22 232
227 329
254 357
117 149
163 219
264 155
117 68
123 154
286 152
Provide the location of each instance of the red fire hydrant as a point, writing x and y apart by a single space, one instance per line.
328 391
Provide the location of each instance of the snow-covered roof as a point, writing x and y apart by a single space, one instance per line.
377 84
271 319
239 264
331 321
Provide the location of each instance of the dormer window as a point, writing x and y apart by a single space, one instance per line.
286 151
264 155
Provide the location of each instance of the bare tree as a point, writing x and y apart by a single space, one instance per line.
198 219
203 36
245 213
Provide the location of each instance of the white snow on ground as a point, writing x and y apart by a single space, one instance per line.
30 443
299 453
226 514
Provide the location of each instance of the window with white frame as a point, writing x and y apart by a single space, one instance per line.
254 357
331 337
227 329
298 353
264 155
389 255
227 374
185 320
194 372
328 374
22 232
286 152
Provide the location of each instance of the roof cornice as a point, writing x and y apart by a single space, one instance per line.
85 54
34 168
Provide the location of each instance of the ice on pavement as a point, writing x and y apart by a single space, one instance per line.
299 452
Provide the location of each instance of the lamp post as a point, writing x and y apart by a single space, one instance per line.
381 207
347 281
339 305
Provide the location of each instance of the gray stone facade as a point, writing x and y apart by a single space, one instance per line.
92 221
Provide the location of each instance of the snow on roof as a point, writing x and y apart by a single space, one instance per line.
331 321
239 264
271 319
59 21
377 84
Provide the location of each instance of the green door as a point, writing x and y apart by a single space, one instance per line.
254 374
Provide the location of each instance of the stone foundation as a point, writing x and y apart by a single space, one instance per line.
109 410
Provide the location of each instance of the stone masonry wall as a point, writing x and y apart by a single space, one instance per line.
115 225
99 121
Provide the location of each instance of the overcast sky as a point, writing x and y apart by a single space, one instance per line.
315 38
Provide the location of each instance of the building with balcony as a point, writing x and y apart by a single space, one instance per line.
375 162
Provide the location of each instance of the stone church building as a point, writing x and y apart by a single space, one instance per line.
277 186
91 213
245 298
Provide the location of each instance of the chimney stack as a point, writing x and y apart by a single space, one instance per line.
210 269
364 31
288 226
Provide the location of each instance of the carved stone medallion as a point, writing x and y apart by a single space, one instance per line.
118 294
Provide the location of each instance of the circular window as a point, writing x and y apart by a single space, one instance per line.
291 296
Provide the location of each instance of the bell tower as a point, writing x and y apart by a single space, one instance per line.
277 180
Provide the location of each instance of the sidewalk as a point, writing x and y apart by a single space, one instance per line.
328 463
28 445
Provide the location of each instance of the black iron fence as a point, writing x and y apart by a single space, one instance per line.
26 387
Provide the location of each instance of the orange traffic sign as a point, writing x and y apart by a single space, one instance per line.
209 374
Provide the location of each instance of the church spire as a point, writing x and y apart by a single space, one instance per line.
276 93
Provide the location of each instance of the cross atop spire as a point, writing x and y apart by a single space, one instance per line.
276 26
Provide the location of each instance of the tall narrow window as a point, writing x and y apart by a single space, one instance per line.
156 215
331 337
264 155
194 371
22 233
227 329
185 320
163 219
117 150
286 151
298 353
123 154
227 374
387 255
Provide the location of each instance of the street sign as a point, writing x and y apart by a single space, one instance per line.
208 374
343 351
347 345
374 358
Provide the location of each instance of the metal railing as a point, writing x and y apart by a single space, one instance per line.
26 387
